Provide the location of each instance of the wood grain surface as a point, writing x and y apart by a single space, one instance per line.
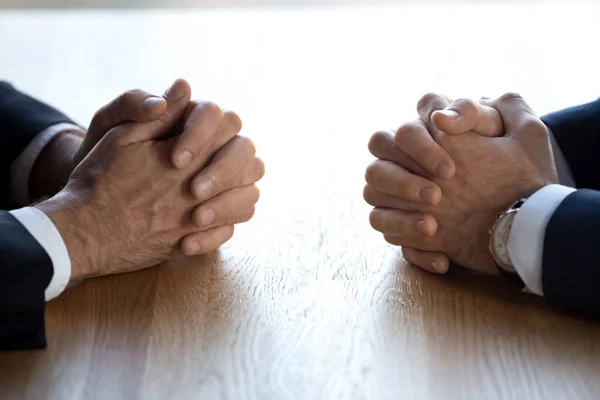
306 302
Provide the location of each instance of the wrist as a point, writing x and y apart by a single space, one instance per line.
54 165
73 223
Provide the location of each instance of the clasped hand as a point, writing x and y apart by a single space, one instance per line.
440 181
153 177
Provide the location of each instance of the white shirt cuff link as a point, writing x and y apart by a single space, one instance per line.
22 166
44 231
526 240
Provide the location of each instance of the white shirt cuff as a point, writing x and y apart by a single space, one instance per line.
44 231
22 166
526 240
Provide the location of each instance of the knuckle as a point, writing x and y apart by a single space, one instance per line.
376 141
428 100
117 136
374 219
465 106
407 131
229 230
255 194
368 194
100 115
259 168
247 144
134 93
372 173
228 234
534 126
392 240
509 97
233 120
122 99
130 96
212 109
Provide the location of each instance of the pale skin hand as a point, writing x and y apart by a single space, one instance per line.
410 158
491 174
232 171
125 207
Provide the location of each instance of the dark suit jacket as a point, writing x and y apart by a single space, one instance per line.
571 259
25 268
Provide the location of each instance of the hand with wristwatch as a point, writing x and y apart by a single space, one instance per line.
469 219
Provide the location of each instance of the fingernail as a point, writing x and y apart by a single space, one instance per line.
203 189
208 217
151 103
192 248
443 171
437 268
183 159
420 227
428 195
176 91
450 114
440 268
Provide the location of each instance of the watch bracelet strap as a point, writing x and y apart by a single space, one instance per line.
512 277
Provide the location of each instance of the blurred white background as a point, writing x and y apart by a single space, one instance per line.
237 3
368 63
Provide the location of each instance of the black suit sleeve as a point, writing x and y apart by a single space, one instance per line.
25 267
577 131
25 273
571 257
21 119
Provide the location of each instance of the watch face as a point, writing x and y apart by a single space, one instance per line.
500 241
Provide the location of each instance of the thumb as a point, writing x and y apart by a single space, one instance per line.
177 98
132 106
464 115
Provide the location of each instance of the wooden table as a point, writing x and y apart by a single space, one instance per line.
306 302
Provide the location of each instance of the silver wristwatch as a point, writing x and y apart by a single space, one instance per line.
499 235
